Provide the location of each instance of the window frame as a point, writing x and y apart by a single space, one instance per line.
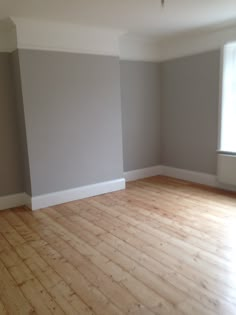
220 107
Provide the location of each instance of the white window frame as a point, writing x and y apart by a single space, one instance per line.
221 83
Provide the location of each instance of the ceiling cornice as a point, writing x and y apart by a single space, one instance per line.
41 35
7 35
182 45
193 43
139 49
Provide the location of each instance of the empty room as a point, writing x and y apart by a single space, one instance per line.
117 157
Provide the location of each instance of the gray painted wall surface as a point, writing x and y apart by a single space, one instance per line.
21 122
11 177
189 112
73 119
140 98
70 123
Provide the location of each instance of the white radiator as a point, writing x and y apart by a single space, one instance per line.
226 169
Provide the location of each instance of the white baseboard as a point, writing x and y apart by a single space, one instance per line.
60 197
196 177
11 201
143 173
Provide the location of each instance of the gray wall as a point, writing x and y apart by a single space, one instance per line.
73 119
11 179
64 130
189 112
21 122
140 98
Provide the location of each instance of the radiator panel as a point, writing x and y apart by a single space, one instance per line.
226 169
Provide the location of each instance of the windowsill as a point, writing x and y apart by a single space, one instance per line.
226 153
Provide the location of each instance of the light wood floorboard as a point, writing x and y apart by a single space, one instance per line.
162 246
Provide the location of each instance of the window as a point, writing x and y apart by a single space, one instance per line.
228 110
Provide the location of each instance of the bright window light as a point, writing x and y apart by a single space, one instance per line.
228 114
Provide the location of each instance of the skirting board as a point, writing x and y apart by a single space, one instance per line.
196 177
12 201
143 173
60 197
51 199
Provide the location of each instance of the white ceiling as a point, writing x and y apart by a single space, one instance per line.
138 17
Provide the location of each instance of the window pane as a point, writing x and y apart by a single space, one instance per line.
228 123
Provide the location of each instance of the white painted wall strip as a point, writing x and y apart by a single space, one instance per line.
193 43
135 49
7 36
187 44
44 35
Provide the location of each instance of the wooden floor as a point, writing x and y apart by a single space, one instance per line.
162 246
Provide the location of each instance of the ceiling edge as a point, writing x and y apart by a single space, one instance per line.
43 35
